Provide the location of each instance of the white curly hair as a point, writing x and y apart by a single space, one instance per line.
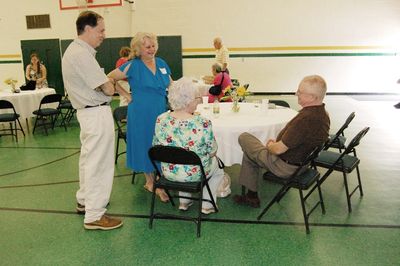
181 93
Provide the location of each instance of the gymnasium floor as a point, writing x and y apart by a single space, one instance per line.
39 226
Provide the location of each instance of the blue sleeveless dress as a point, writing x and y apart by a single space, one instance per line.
148 102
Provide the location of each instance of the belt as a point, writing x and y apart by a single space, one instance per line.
295 164
102 104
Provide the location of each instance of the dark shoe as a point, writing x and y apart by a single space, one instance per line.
246 200
397 105
105 223
80 209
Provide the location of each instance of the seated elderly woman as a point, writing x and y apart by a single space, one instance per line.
218 78
183 128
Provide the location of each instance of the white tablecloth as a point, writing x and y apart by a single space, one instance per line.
253 118
26 102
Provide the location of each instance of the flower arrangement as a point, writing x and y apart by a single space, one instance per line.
235 93
11 82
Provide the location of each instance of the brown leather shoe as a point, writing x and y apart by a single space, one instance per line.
246 200
105 223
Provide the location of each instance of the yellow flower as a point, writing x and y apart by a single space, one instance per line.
10 81
241 91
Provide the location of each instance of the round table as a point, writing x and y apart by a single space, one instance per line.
254 118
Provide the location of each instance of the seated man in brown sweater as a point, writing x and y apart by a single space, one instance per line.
308 129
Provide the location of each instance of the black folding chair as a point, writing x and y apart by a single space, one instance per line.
343 162
120 115
45 115
280 103
338 140
66 110
11 118
177 155
302 179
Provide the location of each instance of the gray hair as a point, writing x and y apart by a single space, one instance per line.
315 85
181 93
138 40
217 67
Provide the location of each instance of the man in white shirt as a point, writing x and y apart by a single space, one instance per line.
221 53
90 92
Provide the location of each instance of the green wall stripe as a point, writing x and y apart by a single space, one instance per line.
11 62
292 55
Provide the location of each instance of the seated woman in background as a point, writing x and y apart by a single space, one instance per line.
37 72
216 70
182 128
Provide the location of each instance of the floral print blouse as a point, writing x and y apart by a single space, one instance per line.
194 134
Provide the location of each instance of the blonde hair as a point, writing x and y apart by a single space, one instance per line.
138 41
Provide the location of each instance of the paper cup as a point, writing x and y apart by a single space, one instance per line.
205 99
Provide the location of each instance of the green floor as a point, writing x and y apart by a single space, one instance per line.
38 224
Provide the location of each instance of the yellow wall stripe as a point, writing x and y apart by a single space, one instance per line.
10 55
288 48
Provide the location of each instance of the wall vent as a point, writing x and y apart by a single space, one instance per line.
38 21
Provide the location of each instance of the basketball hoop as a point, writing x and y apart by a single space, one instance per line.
82 5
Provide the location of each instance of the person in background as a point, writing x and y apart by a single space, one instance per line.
183 128
217 72
36 71
90 92
221 54
149 78
307 130
124 53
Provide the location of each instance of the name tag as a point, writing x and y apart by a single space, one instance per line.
163 70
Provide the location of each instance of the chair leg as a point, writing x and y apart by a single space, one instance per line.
133 177
271 203
211 197
346 186
303 208
199 214
12 132
20 126
153 197
321 200
359 181
34 126
116 152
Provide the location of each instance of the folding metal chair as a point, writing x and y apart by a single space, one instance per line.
302 179
177 155
343 162
45 115
12 118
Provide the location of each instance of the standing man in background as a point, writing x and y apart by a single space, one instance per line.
221 54
90 92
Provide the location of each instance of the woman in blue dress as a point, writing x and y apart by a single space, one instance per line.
149 78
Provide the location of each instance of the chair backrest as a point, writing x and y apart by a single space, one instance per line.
51 98
309 159
356 140
120 113
280 103
174 155
4 104
341 130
